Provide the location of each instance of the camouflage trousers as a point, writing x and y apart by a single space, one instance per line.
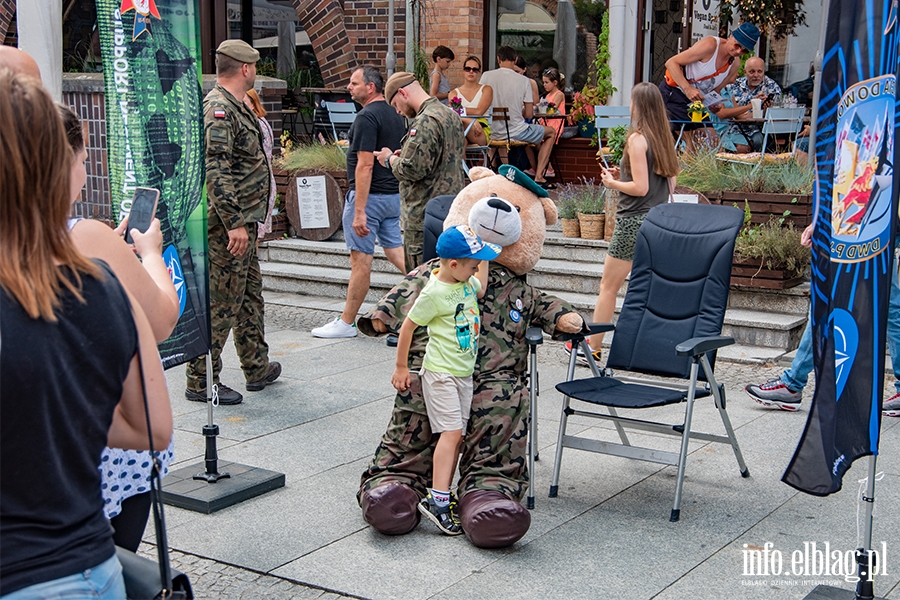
494 447
235 303
412 248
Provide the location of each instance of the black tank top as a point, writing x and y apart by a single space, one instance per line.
59 384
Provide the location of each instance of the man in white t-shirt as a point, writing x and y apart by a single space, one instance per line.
513 91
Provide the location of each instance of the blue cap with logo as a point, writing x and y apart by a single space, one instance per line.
462 242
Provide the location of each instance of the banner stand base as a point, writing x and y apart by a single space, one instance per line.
182 490
827 592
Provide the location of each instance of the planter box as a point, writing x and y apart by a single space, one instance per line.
763 205
576 158
750 273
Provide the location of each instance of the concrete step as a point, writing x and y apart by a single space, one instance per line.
321 254
334 253
327 282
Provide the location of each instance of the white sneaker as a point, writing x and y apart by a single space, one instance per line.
335 329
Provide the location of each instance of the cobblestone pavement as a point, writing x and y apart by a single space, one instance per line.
211 579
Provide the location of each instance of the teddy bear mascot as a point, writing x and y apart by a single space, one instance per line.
510 210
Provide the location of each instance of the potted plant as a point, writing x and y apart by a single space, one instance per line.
567 209
769 255
591 202
697 111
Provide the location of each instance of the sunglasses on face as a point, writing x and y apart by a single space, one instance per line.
471 69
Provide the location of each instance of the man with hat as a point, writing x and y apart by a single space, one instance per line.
706 67
237 188
429 162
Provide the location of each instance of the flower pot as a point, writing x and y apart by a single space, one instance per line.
586 128
592 226
696 117
570 228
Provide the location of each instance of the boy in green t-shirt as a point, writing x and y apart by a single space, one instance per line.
448 306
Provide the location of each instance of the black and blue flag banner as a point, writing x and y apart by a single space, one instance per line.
855 212
154 133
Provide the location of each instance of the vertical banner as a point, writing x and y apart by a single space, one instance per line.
852 242
154 137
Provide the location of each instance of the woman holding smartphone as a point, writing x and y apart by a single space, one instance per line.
646 179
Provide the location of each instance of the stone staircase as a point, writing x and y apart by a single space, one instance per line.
305 284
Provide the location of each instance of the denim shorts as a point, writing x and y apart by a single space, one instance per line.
103 582
533 135
382 219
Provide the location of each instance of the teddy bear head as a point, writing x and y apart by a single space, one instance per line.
516 220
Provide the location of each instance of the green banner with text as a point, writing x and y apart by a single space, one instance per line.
154 138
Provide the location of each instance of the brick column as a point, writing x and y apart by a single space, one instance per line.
323 21
7 11
457 24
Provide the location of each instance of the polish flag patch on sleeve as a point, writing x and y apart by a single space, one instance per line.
219 113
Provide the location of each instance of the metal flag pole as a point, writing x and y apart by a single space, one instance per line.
865 558
210 431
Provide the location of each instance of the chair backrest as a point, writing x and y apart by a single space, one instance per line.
500 113
784 120
611 116
435 212
341 113
678 288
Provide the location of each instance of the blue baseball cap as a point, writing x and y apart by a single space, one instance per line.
462 242
747 34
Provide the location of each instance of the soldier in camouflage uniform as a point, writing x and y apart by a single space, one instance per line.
429 162
493 465
237 176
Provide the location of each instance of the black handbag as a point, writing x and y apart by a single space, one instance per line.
145 579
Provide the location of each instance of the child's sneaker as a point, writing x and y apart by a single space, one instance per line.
443 517
891 408
774 392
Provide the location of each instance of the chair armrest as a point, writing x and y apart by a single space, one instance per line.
534 336
592 329
701 345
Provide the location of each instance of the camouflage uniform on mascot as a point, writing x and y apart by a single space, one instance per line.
513 212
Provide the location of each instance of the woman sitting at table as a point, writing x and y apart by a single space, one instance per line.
476 99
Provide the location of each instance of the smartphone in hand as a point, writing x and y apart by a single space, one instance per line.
143 209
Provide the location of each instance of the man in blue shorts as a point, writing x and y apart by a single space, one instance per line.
372 206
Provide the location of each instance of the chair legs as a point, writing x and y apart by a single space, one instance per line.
625 449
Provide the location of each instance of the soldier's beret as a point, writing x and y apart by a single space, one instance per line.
520 178
395 82
238 50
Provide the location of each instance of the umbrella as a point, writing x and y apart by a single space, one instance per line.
564 41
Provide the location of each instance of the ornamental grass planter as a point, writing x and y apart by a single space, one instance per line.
570 228
750 272
592 226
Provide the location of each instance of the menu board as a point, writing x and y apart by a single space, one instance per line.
312 202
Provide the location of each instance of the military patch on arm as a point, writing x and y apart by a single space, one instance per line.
218 138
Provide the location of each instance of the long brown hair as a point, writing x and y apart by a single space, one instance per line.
257 104
35 200
648 117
